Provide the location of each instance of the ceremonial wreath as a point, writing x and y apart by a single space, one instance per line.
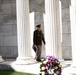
50 66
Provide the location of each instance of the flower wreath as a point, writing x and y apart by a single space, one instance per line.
50 66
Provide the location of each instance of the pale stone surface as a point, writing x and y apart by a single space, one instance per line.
65 3
1 20
36 6
14 27
6 8
66 29
73 34
8 51
67 52
13 1
1 1
8 17
10 41
52 28
65 15
38 17
13 10
66 40
1 41
6 30
7 1
15 51
23 33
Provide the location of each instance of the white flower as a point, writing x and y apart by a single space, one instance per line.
45 62
43 68
43 73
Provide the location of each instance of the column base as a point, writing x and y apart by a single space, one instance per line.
69 71
61 60
73 64
1 59
72 68
25 60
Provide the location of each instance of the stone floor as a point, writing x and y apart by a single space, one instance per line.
34 68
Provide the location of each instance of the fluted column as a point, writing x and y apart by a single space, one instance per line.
73 31
52 28
59 30
23 32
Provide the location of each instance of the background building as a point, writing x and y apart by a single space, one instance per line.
8 26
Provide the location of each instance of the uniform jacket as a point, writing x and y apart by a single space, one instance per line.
38 37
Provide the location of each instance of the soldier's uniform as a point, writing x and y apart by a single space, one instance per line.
38 37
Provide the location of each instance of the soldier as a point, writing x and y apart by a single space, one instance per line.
38 37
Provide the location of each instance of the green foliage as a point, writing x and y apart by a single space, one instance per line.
7 72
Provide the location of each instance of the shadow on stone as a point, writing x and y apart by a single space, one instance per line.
6 67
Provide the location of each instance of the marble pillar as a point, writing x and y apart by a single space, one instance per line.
73 31
52 29
23 32
59 31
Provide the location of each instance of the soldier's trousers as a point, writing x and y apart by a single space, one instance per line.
38 52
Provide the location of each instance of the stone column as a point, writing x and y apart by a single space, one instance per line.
52 28
23 32
73 31
32 28
71 70
59 31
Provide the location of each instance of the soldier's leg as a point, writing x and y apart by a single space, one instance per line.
38 53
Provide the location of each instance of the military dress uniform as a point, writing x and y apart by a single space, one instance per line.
38 37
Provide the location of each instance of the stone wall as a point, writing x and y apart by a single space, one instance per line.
66 30
8 28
